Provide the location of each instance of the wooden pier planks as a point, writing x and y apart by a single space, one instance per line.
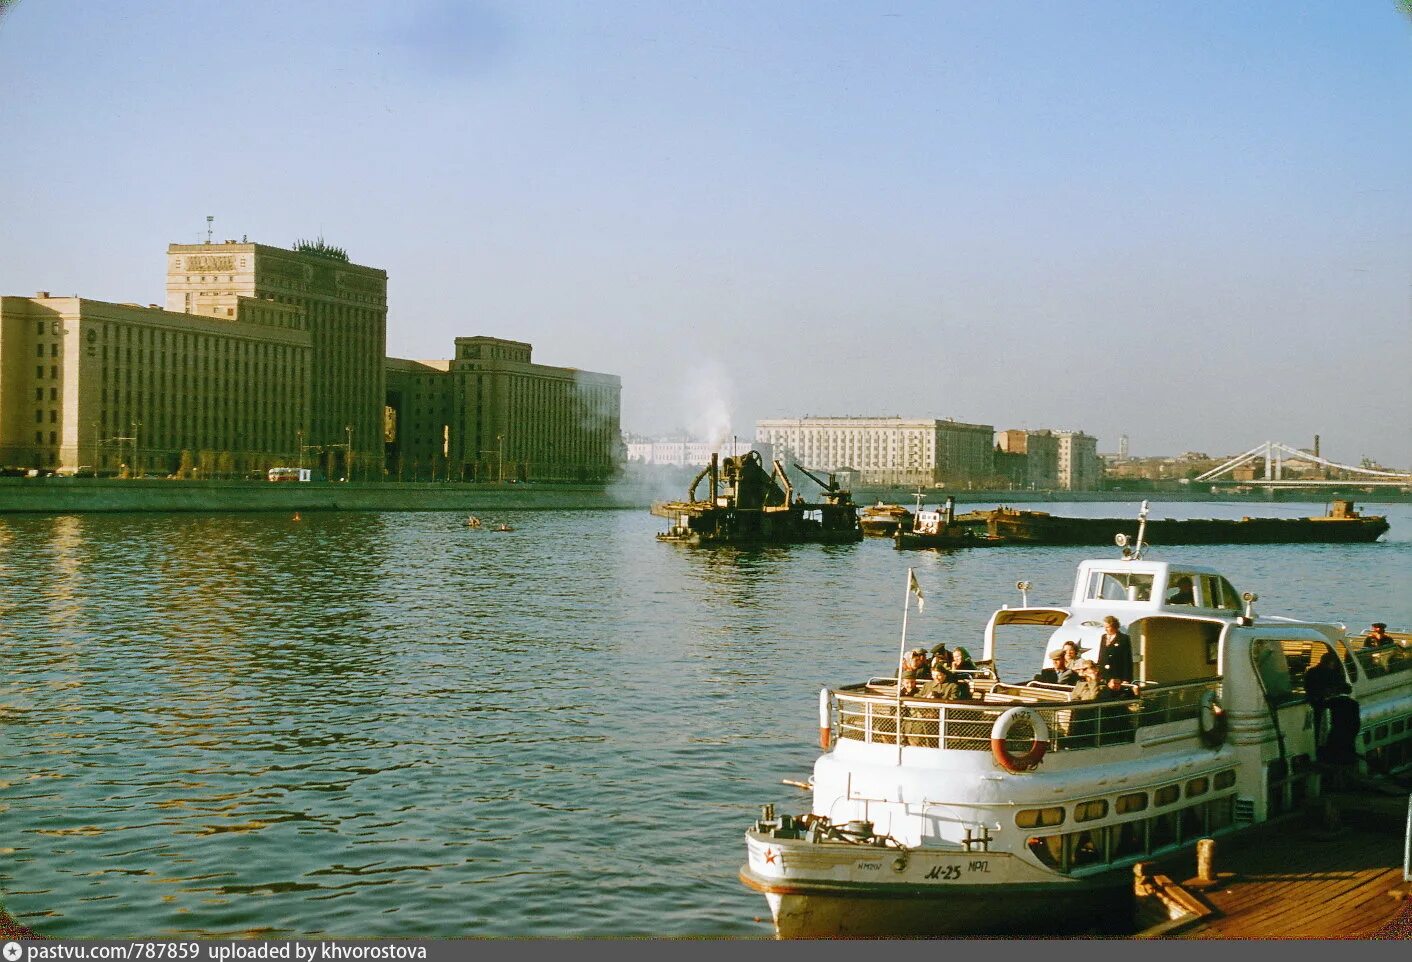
1292 881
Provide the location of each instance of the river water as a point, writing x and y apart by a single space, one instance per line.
392 725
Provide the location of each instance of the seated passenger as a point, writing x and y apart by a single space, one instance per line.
946 686
1072 652
1089 685
1378 636
1058 672
961 660
914 671
1181 593
1115 689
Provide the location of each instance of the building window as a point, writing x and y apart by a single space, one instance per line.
54 349
38 437
53 416
38 417
53 394
53 437
54 371
39 372
39 394
40 328
39 350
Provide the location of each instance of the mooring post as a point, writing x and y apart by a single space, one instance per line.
1206 859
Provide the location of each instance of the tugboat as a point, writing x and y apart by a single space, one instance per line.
941 529
1023 810
746 505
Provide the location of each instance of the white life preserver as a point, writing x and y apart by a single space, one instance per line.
1001 730
1211 720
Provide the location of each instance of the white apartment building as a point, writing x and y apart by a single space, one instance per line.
885 451
1079 467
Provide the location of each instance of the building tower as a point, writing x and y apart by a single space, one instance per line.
343 307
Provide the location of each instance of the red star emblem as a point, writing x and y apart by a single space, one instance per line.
770 856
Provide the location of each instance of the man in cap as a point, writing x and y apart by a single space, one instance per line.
914 671
1089 685
1058 672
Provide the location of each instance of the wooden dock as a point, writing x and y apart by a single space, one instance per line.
1297 879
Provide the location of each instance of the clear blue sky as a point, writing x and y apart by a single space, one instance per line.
1189 222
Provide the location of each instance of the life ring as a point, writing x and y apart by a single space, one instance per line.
1001 730
1211 720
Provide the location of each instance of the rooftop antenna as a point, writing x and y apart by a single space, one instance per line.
209 219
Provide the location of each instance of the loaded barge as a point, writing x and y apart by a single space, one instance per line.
1343 525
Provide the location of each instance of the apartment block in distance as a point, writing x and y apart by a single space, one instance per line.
1079 468
1041 456
491 414
885 450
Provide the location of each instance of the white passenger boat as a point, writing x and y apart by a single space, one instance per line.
1021 810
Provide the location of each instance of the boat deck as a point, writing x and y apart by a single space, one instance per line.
1294 881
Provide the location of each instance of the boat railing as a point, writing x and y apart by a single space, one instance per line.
871 716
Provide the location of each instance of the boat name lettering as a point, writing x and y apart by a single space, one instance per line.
945 872
980 866
869 866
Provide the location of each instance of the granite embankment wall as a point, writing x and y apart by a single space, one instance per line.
72 495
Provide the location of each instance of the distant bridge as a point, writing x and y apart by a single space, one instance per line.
1275 454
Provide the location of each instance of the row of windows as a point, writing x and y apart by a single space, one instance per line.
1131 840
1093 809
53 348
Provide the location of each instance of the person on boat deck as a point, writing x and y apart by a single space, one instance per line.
1089 685
1072 653
946 686
940 654
961 660
914 671
1115 651
1115 689
1181 592
1058 672
1322 682
1378 636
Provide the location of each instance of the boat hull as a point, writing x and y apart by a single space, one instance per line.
1100 906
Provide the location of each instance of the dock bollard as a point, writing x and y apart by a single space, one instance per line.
1206 860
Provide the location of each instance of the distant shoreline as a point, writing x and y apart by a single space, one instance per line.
86 495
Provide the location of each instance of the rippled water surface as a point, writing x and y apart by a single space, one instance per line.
388 724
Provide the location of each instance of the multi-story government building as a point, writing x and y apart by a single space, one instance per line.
887 450
116 387
491 414
1079 466
342 306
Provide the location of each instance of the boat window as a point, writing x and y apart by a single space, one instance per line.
1085 848
1032 817
1162 830
1197 786
1088 811
1119 586
1225 779
1135 802
1273 668
1217 592
1167 794
1130 838
1047 849
1181 589
1220 812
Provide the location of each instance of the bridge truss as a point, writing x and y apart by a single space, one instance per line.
1275 454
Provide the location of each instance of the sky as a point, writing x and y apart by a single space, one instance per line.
1187 222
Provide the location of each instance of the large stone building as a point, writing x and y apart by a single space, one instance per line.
342 306
687 453
121 387
1079 468
885 451
1041 451
490 413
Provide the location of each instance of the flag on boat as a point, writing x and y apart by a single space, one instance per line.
916 588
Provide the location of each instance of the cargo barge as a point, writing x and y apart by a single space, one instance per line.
1343 525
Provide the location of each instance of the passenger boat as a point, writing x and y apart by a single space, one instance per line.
884 520
1022 810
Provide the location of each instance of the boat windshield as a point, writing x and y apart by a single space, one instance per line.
1119 586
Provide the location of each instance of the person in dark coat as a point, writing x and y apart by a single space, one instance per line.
1115 652
1058 672
1323 682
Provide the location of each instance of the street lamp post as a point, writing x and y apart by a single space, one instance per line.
348 452
136 468
500 459
299 438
